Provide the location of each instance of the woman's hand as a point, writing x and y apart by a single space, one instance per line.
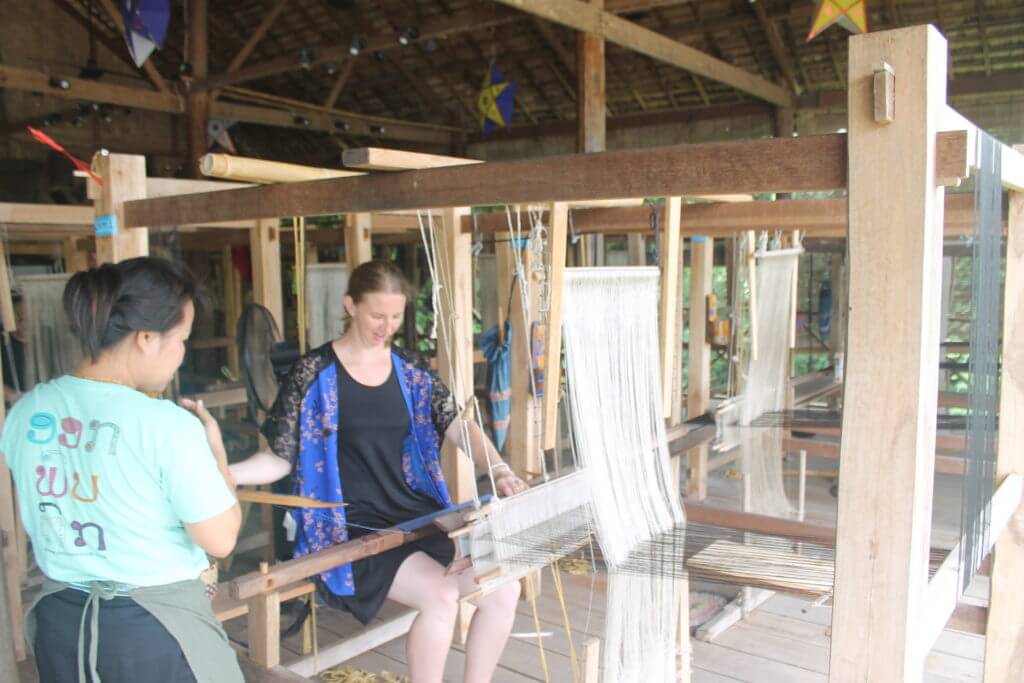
213 435
507 483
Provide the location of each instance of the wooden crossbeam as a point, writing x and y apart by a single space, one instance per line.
799 164
313 118
17 78
585 17
291 114
285 573
803 163
815 218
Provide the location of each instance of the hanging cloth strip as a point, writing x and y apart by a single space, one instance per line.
499 379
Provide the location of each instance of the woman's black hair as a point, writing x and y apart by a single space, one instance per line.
106 304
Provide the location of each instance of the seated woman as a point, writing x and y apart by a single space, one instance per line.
124 495
360 421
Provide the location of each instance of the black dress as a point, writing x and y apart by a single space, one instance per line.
372 425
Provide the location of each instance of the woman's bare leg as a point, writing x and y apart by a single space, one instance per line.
489 630
421 583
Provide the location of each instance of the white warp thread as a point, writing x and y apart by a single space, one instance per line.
765 389
610 319
51 350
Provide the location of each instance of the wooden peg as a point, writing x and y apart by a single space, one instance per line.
885 93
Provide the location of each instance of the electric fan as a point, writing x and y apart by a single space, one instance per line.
262 357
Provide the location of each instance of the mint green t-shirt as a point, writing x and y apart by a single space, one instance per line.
106 478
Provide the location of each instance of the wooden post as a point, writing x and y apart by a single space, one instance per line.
124 179
198 103
7 317
636 247
1004 659
455 363
265 253
458 281
232 305
522 444
698 392
591 127
670 320
590 88
12 614
265 246
557 233
895 268
265 627
669 301
75 260
358 248
8 639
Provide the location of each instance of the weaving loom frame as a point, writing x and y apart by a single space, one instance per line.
231 205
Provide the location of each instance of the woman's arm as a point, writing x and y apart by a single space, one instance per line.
262 467
485 455
218 534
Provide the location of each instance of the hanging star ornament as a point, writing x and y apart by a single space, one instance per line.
495 100
850 14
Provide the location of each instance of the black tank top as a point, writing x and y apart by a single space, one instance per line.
372 425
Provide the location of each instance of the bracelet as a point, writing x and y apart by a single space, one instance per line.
503 465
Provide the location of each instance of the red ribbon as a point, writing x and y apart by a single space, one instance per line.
50 142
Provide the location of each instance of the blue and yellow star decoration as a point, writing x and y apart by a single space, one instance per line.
496 100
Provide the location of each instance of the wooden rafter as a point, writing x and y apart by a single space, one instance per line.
256 36
771 32
339 83
334 50
564 57
584 17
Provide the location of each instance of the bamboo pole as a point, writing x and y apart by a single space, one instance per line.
245 169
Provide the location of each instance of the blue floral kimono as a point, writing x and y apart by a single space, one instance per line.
302 427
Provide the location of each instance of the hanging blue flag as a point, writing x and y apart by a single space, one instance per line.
145 26
495 101
499 379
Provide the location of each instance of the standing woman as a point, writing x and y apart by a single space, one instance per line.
124 495
361 422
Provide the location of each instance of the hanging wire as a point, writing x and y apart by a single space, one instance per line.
438 262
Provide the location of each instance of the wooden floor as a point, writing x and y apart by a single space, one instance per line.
785 640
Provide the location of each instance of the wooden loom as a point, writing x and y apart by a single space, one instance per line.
894 168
